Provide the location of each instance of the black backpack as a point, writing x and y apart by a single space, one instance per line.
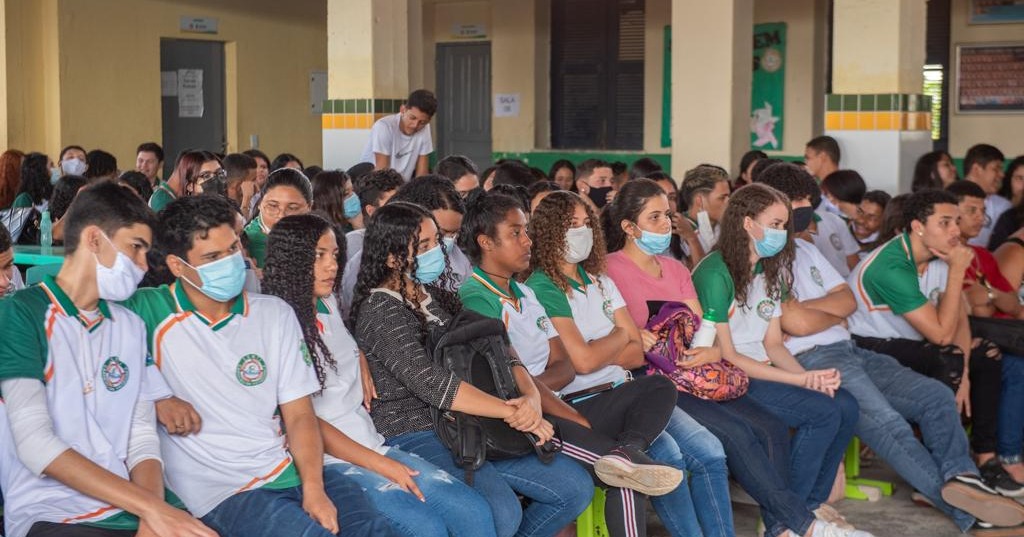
476 349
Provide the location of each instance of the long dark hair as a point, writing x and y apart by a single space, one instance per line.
627 205
1006 190
329 196
734 242
548 225
393 230
926 171
288 274
35 178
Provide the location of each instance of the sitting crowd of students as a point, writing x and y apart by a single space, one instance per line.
248 354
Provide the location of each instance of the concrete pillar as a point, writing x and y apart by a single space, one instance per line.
712 47
367 71
876 110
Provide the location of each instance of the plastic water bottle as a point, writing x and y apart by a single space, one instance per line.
705 335
45 231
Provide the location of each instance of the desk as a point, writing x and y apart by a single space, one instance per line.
37 255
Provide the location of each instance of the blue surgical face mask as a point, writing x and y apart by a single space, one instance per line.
429 265
652 243
773 242
55 175
73 166
351 206
222 279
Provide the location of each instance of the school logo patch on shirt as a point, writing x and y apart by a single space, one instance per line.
114 374
306 356
607 307
837 243
933 296
251 370
765 308
816 276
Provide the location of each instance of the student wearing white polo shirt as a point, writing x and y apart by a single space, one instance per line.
79 454
814 318
703 195
598 434
406 289
637 226
420 499
743 280
285 193
241 361
602 343
10 277
910 306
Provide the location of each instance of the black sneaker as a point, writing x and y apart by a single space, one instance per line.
977 482
994 474
987 507
630 468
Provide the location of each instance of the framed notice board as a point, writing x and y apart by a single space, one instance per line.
990 78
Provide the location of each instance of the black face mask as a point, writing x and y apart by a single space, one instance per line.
802 218
599 196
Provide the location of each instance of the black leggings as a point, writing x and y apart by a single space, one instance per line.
52 529
946 364
635 412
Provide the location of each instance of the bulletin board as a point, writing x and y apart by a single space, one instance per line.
990 78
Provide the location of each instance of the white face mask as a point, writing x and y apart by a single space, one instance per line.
704 227
579 241
119 281
73 166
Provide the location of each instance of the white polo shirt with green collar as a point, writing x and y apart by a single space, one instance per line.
591 303
341 401
526 322
834 240
748 322
887 285
95 368
236 372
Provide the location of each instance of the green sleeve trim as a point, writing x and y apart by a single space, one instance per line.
22 201
894 285
24 348
554 300
287 479
480 300
714 287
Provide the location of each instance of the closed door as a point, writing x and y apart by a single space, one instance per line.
464 101
192 97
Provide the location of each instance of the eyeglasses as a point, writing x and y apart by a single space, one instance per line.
212 174
273 208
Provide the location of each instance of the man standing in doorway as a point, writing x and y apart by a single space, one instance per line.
402 141
148 161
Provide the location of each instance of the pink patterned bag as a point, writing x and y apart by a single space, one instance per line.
674 326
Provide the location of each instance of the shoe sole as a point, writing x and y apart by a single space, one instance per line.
649 479
997 532
993 509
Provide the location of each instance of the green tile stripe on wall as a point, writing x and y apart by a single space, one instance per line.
544 159
362 106
878 102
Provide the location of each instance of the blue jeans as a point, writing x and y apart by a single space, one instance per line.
1011 418
559 491
267 512
451 506
703 508
757 453
824 426
890 395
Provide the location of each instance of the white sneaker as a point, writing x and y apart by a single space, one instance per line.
827 513
827 529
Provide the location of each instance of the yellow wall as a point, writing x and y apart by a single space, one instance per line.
805 80
878 46
1005 131
108 64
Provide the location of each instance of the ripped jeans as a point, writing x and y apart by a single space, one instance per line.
945 364
451 506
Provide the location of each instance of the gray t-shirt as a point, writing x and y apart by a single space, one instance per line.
387 139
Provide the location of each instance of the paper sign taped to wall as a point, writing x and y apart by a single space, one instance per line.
506 105
190 93
168 83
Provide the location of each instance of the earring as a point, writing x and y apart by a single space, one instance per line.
920 234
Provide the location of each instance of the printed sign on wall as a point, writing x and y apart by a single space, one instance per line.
768 87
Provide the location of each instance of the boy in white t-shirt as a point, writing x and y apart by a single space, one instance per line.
79 453
402 141
815 320
241 361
